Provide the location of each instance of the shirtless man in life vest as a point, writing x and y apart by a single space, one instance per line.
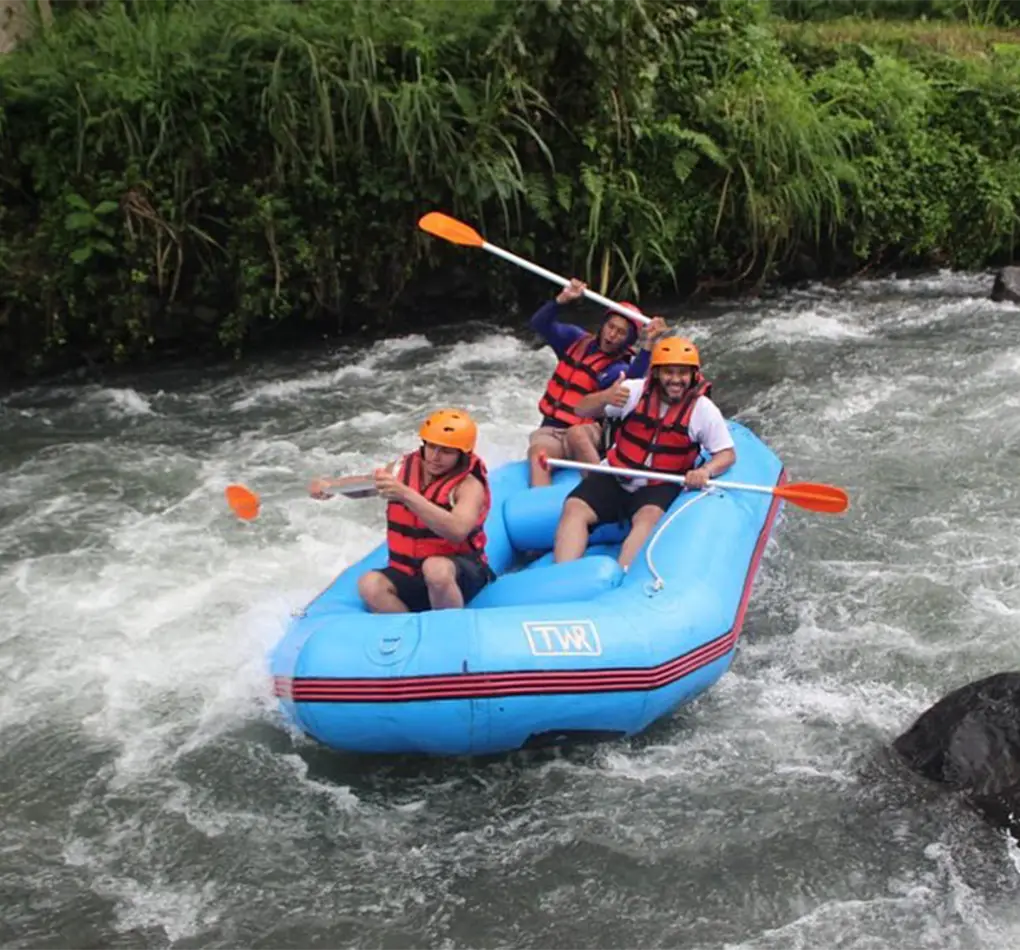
666 422
587 363
435 521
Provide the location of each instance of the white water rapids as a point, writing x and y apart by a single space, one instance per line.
151 796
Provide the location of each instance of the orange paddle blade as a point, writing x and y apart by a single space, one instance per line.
245 503
450 229
814 496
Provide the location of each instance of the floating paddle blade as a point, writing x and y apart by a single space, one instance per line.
243 502
450 229
815 497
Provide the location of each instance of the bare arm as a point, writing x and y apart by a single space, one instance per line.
720 463
319 487
593 406
717 465
454 525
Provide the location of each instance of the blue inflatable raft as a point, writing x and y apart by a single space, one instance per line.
546 653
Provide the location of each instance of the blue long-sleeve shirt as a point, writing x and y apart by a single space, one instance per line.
560 336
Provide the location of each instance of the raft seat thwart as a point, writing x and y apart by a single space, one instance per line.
581 580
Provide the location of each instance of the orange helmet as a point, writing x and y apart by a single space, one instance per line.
675 351
450 428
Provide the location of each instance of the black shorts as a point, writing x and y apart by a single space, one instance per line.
611 502
472 576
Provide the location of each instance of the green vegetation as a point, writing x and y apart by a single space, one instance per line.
214 175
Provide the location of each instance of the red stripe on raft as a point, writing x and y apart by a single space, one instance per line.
475 686
447 680
759 553
529 682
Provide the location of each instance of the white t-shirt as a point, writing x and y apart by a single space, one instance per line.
707 426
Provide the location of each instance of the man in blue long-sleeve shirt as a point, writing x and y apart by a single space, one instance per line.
587 363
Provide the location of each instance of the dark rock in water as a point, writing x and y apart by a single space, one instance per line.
970 742
1007 285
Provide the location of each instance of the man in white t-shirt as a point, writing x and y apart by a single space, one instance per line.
666 421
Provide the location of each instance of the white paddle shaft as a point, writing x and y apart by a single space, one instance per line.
658 476
562 281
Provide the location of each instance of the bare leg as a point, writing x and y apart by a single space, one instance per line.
573 530
379 594
549 446
583 443
440 575
641 525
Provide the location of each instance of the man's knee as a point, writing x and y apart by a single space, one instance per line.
582 437
438 571
544 446
372 583
375 587
646 516
577 511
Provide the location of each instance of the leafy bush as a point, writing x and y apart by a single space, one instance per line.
217 174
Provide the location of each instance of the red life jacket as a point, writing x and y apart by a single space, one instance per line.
409 539
576 375
652 442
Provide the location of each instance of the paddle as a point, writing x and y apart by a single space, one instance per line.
457 232
245 503
350 486
810 495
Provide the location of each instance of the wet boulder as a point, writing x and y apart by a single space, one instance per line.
1007 285
969 741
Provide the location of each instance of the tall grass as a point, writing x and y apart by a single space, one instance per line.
222 130
213 173
783 164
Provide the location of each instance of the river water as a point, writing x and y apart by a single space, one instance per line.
151 796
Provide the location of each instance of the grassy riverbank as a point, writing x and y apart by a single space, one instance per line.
220 175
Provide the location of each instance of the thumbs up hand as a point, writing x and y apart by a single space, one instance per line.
618 394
